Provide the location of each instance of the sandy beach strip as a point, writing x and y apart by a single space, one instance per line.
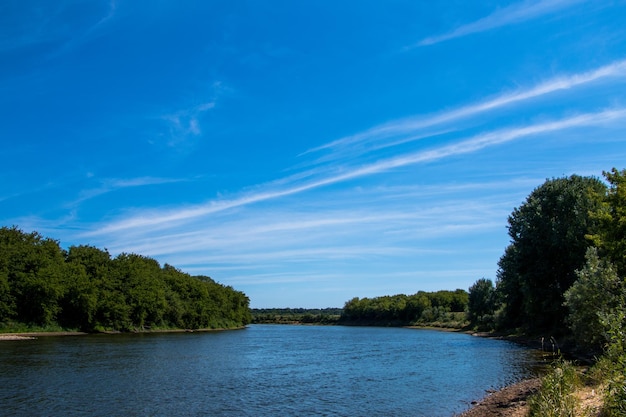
15 337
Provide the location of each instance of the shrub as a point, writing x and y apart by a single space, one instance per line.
555 397
615 362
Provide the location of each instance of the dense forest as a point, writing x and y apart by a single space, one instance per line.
85 288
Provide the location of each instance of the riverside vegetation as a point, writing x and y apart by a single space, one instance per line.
432 309
46 288
295 315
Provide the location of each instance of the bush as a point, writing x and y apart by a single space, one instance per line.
555 397
615 362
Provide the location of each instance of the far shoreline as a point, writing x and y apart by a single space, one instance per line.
62 333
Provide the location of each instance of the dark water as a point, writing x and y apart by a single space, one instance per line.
264 370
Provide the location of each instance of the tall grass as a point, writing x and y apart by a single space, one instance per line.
614 362
612 372
555 397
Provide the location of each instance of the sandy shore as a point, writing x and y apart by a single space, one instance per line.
510 401
15 337
35 335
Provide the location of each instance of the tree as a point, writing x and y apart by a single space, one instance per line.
143 287
596 294
548 245
481 300
88 284
610 234
84 288
31 266
80 300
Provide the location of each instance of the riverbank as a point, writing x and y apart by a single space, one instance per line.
16 337
510 401
35 335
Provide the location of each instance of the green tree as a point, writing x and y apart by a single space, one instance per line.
481 302
548 245
7 304
80 300
96 262
416 305
31 266
610 233
597 293
84 288
89 287
143 287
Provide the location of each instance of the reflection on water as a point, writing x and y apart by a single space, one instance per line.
264 370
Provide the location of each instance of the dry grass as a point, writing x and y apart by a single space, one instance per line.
590 401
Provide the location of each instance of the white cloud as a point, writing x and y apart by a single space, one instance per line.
186 122
112 185
413 125
513 14
167 219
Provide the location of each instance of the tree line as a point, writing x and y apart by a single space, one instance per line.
420 308
295 315
85 288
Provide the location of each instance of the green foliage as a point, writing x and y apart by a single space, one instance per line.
555 397
597 300
296 315
481 303
143 288
610 233
32 269
597 291
41 285
615 398
79 303
548 245
420 308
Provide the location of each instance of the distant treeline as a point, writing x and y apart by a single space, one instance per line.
85 288
296 315
440 308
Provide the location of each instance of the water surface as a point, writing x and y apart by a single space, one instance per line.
263 370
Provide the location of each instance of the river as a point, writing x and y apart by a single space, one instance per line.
262 370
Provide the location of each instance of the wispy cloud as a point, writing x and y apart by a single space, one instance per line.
333 175
71 39
115 184
513 14
410 126
274 236
186 122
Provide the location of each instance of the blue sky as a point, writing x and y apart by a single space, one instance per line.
304 152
